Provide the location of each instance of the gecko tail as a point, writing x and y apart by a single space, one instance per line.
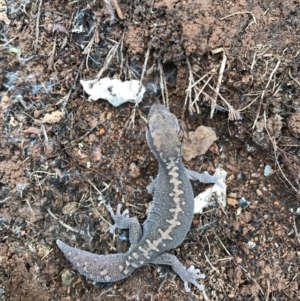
99 268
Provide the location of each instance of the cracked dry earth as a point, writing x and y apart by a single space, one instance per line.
56 147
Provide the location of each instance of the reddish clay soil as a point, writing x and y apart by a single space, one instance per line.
232 59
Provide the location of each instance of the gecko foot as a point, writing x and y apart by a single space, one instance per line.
121 220
191 275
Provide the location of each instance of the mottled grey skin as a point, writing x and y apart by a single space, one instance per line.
169 217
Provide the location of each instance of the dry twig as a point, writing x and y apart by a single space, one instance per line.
65 99
290 75
163 85
118 9
87 50
193 92
62 223
295 229
221 72
37 26
51 58
275 148
264 92
189 95
242 12
145 64
108 58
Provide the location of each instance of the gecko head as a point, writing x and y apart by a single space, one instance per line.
163 132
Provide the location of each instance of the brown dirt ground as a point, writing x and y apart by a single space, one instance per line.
45 183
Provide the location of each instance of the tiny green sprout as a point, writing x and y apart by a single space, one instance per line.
144 119
15 50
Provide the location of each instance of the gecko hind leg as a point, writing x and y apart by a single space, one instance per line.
123 221
189 275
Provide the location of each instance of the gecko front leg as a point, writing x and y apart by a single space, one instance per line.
123 221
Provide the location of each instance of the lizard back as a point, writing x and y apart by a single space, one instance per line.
172 208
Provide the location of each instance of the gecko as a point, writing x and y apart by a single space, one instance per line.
169 217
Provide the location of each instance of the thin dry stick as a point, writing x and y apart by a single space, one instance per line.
131 120
118 10
206 298
201 90
290 75
266 69
62 223
5 200
151 7
278 87
252 67
272 74
166 90
243 269
241 12
163 85
261 51
8 42
295 276
121 54
109 7
268 289
87 50
133 73
221 72
37 26
100 192
233 113
206 95
188 90
196 82
216 270
51 58
295 229
145 63
273 141
43 172
247 106
143 72
66 98
264 91
46 254
188 98
30 208
109 57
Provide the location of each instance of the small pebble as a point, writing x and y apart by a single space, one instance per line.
267 170
243 203
135 171
232 195
67 277
102 131
258 192
70 208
